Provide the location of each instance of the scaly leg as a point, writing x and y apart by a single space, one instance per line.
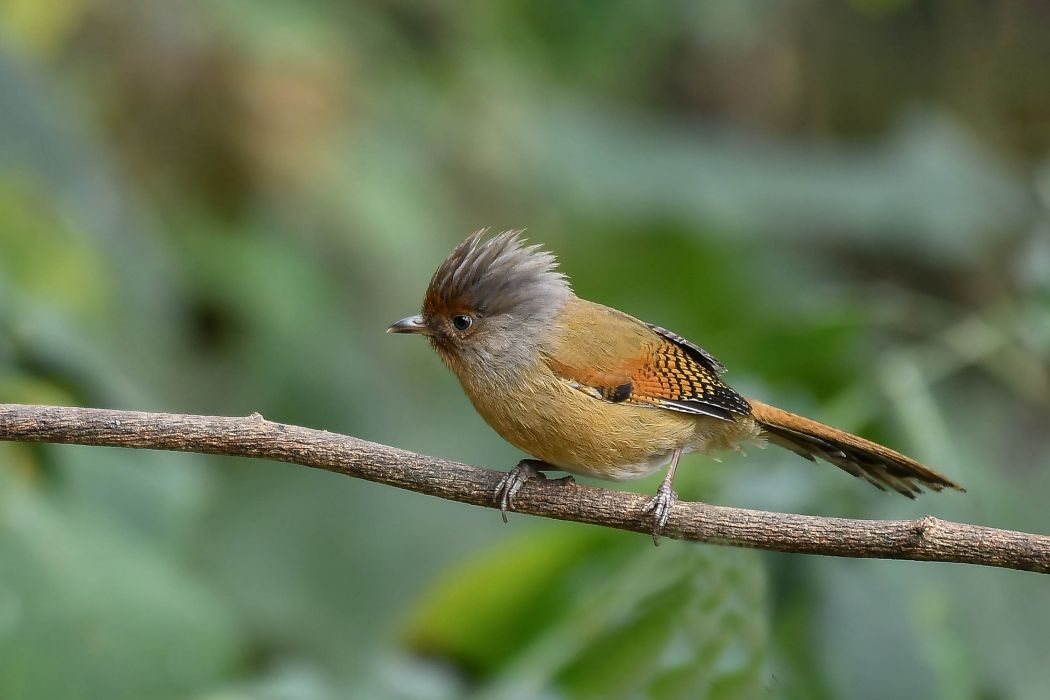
660 505
512 481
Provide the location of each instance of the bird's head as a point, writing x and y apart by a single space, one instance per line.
490 303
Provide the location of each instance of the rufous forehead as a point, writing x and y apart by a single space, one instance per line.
436 304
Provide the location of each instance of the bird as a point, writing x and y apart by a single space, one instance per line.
589 390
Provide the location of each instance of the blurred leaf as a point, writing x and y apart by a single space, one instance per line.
46 151
88 611
930 188
20 388
515 586
41 26
601 614
42 260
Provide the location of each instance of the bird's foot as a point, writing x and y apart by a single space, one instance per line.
512 481
660 506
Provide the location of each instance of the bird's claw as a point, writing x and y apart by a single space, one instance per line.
512 481
660 506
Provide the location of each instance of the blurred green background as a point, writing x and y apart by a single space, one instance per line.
217 206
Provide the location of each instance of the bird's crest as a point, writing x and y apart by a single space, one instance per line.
497 275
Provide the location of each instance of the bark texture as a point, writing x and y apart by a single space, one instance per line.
924 539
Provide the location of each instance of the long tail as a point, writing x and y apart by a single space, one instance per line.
862 458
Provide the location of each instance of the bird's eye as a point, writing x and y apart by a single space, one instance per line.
462 322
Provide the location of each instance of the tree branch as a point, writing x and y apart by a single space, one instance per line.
925 539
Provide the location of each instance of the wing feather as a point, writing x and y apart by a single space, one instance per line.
646 365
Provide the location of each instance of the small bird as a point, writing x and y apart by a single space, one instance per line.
591 390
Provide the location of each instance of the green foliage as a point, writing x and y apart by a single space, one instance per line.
47 264
89 609
585 613
218 207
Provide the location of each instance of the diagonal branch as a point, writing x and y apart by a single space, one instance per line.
925 539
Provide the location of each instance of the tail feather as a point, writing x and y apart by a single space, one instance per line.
878 465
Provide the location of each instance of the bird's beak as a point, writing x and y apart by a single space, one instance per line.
412 324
